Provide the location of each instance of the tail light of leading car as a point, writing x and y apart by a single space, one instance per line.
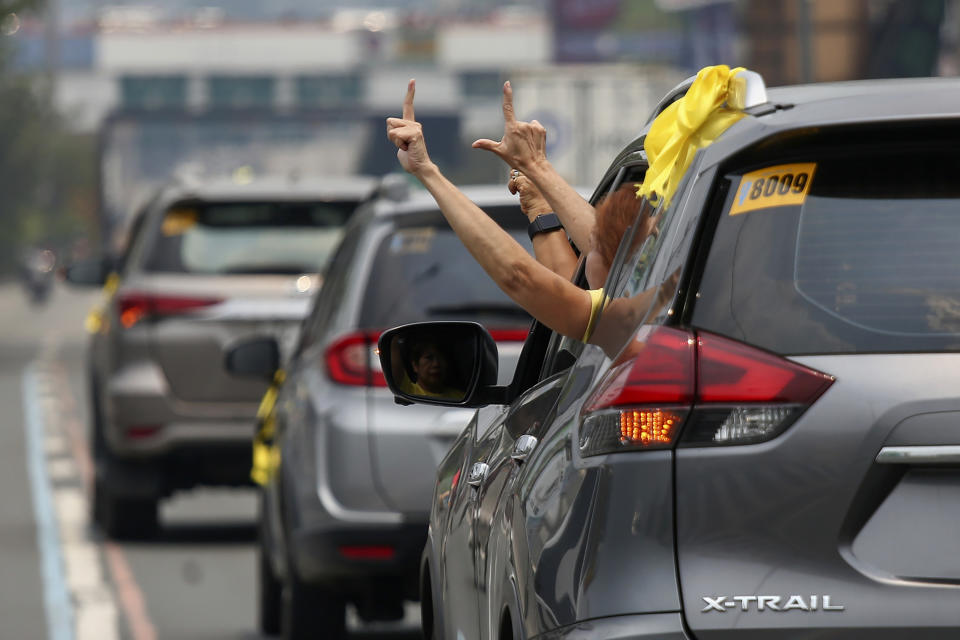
134 306
352 360
714 390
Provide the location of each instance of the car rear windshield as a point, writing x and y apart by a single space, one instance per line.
840 252
423 272
250 237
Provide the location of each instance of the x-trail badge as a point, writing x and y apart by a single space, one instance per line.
722 604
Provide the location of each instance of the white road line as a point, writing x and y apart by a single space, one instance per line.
56 599
77 591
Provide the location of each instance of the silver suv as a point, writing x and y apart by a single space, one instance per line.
207 265
344 516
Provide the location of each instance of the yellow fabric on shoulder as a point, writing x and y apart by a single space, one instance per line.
689 124
598 300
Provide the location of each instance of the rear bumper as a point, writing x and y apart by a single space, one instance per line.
335 557
143 419
182 468
651 626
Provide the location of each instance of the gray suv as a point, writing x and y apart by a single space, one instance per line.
207 264
344 515
773 453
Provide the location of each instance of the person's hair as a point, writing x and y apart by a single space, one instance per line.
419 343
614 216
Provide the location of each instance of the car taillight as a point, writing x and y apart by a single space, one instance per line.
717 390
352 360
509 335
136 306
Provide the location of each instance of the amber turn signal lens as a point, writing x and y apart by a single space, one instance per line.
647 427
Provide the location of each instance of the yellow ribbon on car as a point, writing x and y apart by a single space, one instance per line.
689 124
266 454
97 320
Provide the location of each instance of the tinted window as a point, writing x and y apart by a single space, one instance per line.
259 237
423 272
864 259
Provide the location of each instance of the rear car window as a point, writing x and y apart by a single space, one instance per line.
250 237
849 252
423 272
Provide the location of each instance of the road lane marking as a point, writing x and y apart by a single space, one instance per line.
79 601
128 592
56 598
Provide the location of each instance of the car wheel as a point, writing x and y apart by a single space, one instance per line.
269 594
117 517
123 518
310 612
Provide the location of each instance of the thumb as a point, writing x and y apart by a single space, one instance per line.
483 143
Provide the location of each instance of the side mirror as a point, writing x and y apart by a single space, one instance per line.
444 363
89 273
257 358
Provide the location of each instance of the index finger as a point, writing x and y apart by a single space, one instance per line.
408 100
508 115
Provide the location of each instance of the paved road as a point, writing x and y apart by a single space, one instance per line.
58 580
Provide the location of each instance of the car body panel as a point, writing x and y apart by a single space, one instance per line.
851 535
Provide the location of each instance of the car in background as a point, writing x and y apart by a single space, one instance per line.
774 452
206 264
343 516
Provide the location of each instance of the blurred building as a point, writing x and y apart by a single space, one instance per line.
827 40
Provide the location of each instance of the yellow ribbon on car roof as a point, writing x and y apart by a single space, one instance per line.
689 124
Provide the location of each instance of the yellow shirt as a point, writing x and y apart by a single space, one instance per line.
598 300
414 389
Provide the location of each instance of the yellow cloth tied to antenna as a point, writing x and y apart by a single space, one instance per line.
690 123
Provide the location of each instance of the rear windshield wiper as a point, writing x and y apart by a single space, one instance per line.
279 269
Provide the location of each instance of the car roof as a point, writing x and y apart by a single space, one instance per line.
867 100
839 104
419 200
483 195
279 188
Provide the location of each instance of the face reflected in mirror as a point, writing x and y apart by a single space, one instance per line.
429 366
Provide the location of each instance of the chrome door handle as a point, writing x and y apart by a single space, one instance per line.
523 447
478 473
934 454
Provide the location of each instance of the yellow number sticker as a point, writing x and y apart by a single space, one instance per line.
178 221
782 185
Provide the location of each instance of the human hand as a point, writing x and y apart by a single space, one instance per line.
532 202
407 134
523 144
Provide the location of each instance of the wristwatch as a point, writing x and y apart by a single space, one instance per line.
543 223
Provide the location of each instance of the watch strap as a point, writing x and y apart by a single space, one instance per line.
543 223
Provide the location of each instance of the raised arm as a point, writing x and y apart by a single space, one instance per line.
523 147
548 297
552 248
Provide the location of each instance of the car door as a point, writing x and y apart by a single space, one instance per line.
586 543
292 397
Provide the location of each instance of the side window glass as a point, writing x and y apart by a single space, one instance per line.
639 286
131 246
325 302
563 351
